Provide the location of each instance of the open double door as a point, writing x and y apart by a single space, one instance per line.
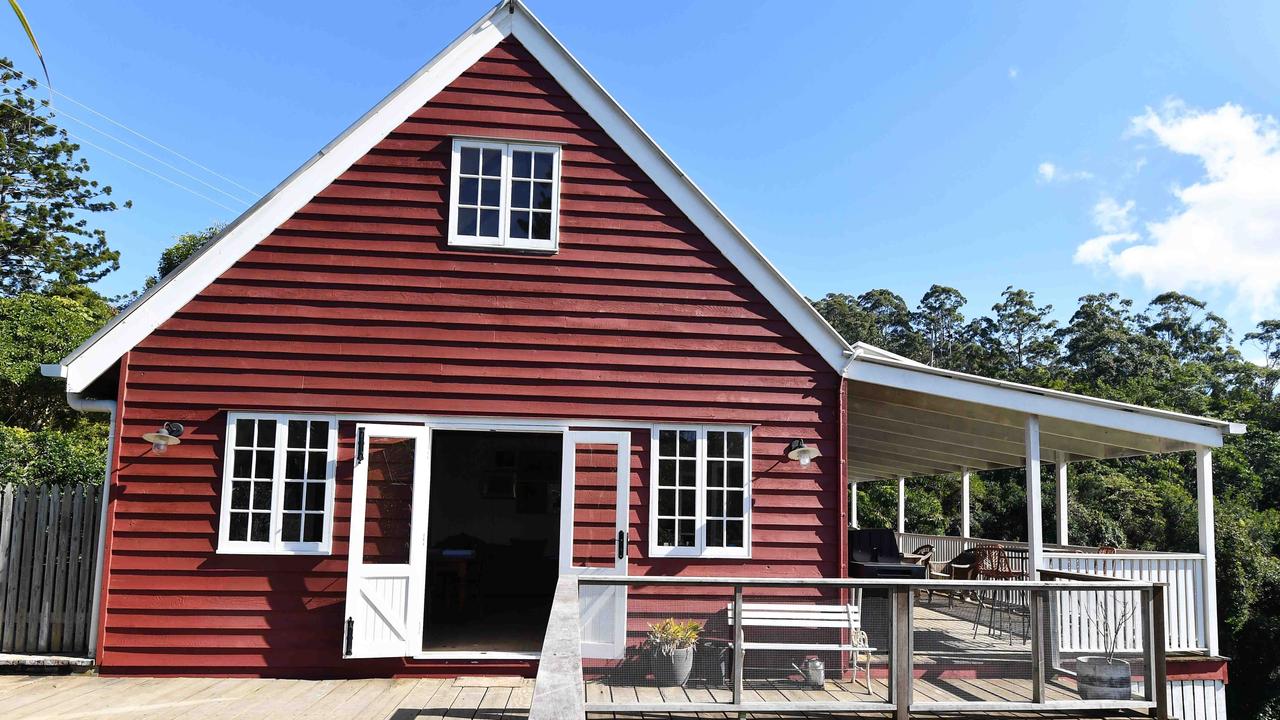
387 554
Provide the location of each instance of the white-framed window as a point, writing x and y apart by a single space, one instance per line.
700 491
278 484
504 195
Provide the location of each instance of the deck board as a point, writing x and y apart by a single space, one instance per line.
951 663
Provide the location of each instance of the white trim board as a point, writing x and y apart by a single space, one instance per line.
510 17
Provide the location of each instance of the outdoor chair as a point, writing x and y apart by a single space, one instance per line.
993 562
923 556
959 567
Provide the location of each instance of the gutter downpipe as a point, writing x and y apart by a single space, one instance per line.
86 405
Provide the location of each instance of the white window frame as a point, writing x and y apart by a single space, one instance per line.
275 545
504 239
699 548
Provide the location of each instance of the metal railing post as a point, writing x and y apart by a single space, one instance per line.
1157 671
902 632
738 651
1036 608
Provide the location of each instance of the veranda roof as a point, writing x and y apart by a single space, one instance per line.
907 419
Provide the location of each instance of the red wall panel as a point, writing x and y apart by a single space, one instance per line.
356 305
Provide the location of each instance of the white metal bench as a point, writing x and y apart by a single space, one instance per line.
837 618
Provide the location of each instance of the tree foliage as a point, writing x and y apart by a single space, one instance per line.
47 243
183 247
1174 354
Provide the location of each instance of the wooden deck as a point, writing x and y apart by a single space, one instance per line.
87 697
952 664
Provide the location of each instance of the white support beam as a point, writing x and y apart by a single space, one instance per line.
853 504
1035 535
964 503
1060 475
1204 496
902 504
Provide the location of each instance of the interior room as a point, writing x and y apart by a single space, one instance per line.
493 540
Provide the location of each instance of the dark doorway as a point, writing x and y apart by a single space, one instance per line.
493 539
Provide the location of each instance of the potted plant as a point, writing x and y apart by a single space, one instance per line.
671 650
1104 677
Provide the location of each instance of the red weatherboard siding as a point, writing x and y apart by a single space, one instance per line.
356 305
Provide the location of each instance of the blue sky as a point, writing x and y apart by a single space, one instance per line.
860 146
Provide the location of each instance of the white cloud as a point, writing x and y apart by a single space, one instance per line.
1013 73
1112 217
1224 233
1099 249
1047 172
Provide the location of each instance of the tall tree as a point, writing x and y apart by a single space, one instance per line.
47 243
939 320
1267 338
1024 332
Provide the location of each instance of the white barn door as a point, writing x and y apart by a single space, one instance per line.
594 532
386 557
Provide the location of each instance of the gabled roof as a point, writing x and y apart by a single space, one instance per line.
509 18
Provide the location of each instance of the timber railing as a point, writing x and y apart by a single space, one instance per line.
925 646
1186 605
557 691
48 555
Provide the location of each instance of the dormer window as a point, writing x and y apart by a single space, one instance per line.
504 195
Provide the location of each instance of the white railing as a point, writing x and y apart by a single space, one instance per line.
1183 573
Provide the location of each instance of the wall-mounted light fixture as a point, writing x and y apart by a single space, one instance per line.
167 435
797 450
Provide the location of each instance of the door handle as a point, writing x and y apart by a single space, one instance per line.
622 544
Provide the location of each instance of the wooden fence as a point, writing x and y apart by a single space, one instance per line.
48 549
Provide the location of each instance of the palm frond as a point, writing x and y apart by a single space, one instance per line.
22 18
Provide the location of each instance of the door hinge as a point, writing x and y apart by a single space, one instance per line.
622 544
346 645
359 446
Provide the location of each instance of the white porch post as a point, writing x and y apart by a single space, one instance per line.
853 504
1060 474
902 504
1204 494
1035 536
964 503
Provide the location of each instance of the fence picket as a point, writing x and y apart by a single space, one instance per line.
48 549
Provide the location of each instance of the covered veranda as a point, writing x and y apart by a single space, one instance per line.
906 420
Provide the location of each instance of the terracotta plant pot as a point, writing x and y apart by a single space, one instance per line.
673 668
1099 679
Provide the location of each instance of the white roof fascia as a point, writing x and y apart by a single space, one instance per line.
1032 400
97 354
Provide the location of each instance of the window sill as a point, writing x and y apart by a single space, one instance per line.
242 548
692 554
517 246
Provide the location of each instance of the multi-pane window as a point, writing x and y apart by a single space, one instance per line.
504 195
306 467
252 468
701 492
726 488
677 507
278 484
479 193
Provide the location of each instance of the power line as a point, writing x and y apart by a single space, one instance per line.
117 123
125 159
140 151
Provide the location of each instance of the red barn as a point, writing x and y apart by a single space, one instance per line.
489 335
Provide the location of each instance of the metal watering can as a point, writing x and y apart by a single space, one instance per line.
814 672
